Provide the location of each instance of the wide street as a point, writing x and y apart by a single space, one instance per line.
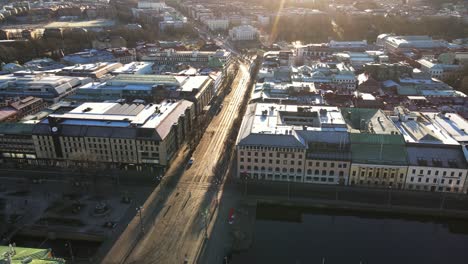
172 228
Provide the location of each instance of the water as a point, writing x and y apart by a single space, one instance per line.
304 236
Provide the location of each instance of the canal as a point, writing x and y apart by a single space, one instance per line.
299 236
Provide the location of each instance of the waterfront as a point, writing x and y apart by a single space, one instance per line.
298 235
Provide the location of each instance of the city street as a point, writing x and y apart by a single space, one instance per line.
173 231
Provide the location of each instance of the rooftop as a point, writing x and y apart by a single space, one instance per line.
116 118
98 23
373 121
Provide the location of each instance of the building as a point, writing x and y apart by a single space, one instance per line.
17 109
193 58
94 70
51 88
16 142
394 43
88 57
114 135
215 24
136 67
377 149
307 144
436 160
151 88
388 71
243 33
327 49
441 71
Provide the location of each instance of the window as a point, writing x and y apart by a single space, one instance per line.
324 172
323 179
452 173
256 160
362 174
285 170
299 163
270 161
444 173
458 182
325 164
412 179
277 169
345 165
401 175
434 181
310 163
370 174
285 162
354 173
442 181
437 172
300 156
414 171
331 180
241 159
299 171
341 173
450 181
420 171
419 179
249 168
262 168
317 172
331 173
241 167
427 180
429 172
248 153
291 170
256 154
332 165
292 162
317 164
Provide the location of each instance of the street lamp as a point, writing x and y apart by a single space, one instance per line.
69 246
389 195
139 210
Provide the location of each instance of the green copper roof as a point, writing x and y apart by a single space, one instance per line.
36 255
378 149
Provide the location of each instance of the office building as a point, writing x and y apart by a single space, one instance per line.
114 135
51 88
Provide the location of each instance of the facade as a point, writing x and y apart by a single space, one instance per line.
195 58
441 71
377 149
51 88
114 135
243 33
215 24
293 143
436 159
16 142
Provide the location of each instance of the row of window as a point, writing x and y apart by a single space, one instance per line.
444 173
270 161
377 174
432 188
292 170
278 155
276 149
442 181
